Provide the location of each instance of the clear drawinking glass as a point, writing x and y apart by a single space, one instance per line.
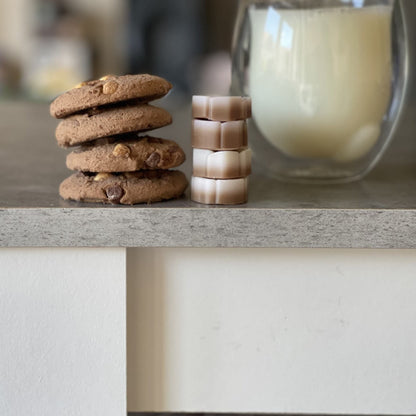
327 81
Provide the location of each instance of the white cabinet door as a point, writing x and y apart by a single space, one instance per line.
62 332
271 330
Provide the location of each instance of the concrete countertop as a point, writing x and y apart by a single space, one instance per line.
378 212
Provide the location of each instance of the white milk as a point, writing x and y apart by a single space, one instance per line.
320 80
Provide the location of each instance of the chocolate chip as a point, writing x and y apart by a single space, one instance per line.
153 160
114 193
172 149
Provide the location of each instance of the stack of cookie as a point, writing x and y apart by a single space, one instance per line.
105 118
221 158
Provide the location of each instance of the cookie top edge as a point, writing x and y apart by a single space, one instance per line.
109 90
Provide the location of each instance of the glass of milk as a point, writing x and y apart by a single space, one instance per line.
327 80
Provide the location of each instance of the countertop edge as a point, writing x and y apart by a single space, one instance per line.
208 227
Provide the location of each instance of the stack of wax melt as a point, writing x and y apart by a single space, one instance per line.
221 158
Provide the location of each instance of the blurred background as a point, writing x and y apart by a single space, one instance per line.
48 46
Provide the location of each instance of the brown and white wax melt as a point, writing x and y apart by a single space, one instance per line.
222 165
221 159
219 191
221 108
217 135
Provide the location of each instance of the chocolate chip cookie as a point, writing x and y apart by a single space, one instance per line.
126 155
98 123
125 188
109 90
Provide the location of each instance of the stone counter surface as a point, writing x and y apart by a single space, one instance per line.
378 212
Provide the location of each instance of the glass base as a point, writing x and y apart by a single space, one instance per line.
315 175
275 164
